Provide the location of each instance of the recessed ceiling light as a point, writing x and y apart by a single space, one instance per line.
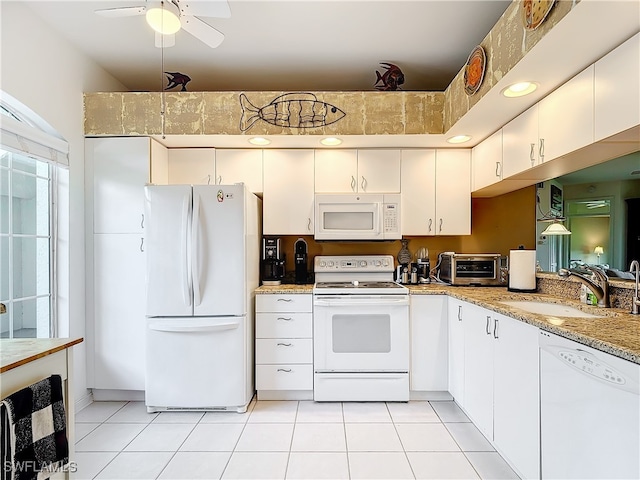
259 141
459 139
519 89
331 141
163 21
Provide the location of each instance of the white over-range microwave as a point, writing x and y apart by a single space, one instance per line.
366 216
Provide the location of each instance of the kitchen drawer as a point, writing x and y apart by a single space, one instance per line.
284 303
284 325
284 350
284 377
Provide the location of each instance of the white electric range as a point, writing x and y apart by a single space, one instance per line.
360 330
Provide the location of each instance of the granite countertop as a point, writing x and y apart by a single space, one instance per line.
285 288
616 331
15 352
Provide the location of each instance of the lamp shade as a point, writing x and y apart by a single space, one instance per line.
598 250
556 229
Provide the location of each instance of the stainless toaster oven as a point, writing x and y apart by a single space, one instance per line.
472 269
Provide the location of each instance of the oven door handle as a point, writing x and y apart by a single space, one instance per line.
369 300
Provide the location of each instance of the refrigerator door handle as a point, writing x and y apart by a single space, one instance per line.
195 260
194 328
184 253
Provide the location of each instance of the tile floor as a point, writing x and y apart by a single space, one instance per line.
285 439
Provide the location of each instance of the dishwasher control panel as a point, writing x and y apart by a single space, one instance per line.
592 366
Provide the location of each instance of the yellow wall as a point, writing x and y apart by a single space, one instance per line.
499 224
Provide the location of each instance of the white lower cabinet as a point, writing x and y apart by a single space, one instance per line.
284 347
429 350
494 377
119 312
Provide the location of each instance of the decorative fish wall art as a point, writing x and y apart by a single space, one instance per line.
391 79
292 110
177 78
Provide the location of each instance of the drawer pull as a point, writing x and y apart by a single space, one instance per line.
284 299
285 319
285 344
287 370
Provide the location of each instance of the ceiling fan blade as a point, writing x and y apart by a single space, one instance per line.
121 12
165 41
204 8
202 31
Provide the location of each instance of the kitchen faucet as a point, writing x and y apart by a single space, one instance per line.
635 301
599 286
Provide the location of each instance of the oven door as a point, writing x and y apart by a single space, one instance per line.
361 333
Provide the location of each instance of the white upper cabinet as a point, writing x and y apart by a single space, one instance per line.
520 143
240 166
357 171
418 192
453 192
379 171
121 168
617 90
436 192
565 117
486 161
192 166
336 171
288 197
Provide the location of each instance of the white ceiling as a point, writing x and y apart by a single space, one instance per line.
293 45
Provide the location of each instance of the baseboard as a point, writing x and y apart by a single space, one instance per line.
100 395
431 395
84 401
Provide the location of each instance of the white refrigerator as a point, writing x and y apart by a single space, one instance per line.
203 248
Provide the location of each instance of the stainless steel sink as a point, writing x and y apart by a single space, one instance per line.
547 308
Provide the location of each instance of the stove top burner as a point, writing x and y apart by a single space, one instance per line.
358 284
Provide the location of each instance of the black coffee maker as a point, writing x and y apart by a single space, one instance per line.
273 261
300 248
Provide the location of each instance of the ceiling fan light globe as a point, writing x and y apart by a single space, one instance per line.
163 21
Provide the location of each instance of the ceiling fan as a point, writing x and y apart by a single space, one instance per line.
168 16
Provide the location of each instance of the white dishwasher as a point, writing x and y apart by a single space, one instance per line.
589 412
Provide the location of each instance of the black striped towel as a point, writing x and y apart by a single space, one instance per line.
34 441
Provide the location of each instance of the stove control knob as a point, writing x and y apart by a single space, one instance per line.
331 264
363 263
323 263
378 263
385 263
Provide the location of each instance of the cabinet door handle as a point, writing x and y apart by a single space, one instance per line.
364 184
459 313
541 151
488 327
142 221
440 227
142 244
309 224
285 319
219 179
284 344
284 300
495 328
288 370
353 183
498 169
430 223
532 154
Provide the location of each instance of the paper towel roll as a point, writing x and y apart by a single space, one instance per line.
522 270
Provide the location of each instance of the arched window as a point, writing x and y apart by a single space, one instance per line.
30 161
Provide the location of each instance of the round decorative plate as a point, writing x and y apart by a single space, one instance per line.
534 12
474 70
